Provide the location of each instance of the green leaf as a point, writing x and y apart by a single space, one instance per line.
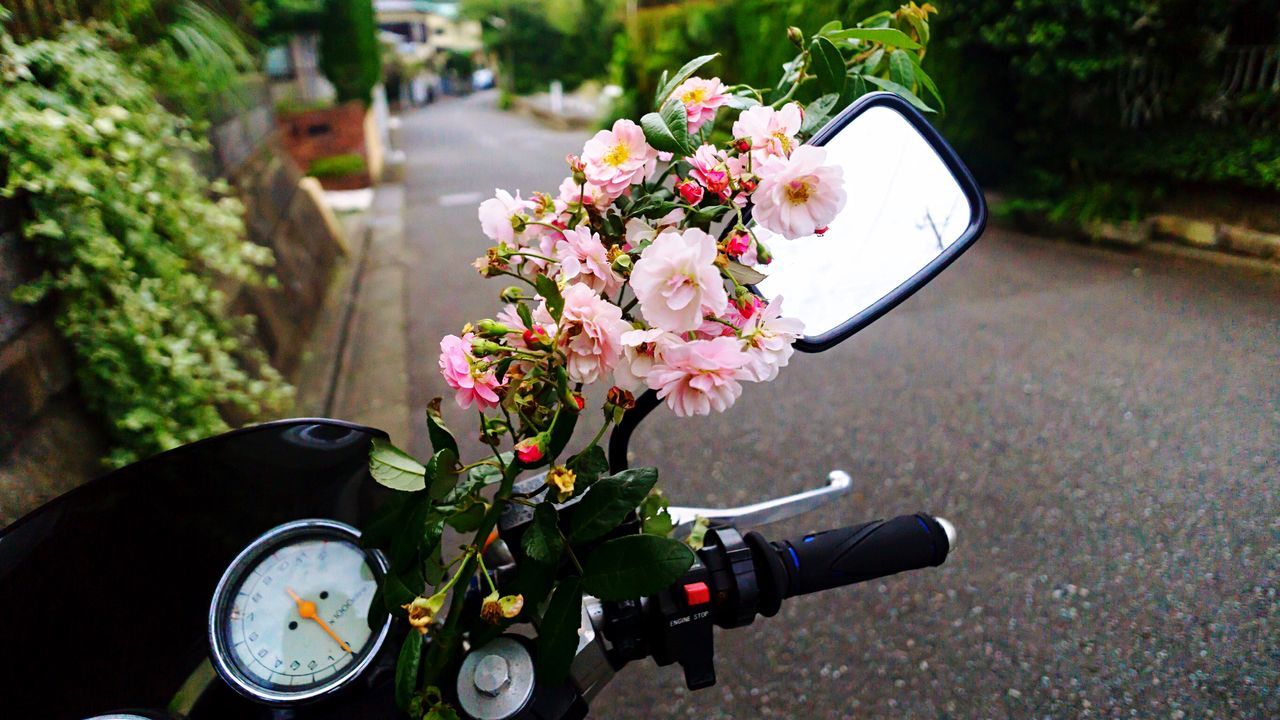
926 82
386 521
666 87
657 94
897 89
526 316
833 26
437 432
818 112
441 712
395 468
376 613
561 431
742 102
406 545
654 517
854 88
743 274
608 502
469 519
588 466
442 471
634 566
534 580
407 669
558 632
901 69
550 292
884 36
828 64
399 590
542 540
668 129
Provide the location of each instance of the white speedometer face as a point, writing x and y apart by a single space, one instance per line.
290 621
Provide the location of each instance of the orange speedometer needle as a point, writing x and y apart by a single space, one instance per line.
307 610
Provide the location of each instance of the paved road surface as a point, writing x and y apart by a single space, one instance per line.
1103 429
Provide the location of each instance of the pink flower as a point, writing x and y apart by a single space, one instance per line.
588 194
592 333
710 169
691 192
699 376
641 348
458 366
771 132
799 194
766 338
701 99
499 216
737 243
583 258
676 280
618 158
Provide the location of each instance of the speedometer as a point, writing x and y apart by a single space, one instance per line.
290 619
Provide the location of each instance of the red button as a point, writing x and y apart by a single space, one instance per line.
697 594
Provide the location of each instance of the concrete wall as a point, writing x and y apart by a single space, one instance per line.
49 443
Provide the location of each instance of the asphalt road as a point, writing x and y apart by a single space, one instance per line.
1102 428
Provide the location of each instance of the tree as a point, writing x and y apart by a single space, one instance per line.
349 53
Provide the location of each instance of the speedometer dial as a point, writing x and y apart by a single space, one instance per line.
290 621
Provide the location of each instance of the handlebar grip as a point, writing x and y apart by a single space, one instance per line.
832 558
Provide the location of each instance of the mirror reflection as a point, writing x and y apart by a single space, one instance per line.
904 208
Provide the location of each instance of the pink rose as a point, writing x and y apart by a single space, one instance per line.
458 366
737 243
691 192
618 158
701 99
699 376
771 132
709 167
592 333
766 338
587 194
641 348
583 258
799 194
500 215
676 280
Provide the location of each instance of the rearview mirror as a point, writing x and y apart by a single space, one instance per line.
912 208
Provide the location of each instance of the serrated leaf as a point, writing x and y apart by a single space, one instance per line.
542 540
608 502
634 566
899 90
437 432
828 64
743 274
901 69
817 113
558 632
442 472
666 87
395 468
407 669
550 292
668 129
884 36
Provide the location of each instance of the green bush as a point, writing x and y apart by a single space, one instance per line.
537 41
349 53
134 241
337 166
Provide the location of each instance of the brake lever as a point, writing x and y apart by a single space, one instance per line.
769 511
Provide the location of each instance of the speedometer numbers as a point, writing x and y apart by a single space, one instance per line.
290 620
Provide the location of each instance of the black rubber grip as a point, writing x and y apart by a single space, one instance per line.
829 559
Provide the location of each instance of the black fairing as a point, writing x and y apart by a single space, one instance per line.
104 592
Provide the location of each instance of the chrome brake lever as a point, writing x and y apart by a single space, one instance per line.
769 511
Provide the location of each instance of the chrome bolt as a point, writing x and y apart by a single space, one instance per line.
492 675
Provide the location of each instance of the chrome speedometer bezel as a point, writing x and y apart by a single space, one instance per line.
266 543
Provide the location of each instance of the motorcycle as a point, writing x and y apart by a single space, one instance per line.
227 578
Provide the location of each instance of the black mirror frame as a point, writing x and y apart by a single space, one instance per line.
973 193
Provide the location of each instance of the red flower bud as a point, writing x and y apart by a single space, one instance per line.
690 191
748 184
579 401
742 145
821 231
737 243
535 337
531 450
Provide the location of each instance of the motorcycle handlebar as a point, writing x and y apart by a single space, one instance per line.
844 556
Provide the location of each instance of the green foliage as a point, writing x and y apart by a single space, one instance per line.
337 166
349 53
537 41
132 236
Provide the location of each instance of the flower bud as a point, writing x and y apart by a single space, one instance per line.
511 294
738 242
821 231
518 222
742 145
748 184
536 338
795 36
762 253
492 329
531 450
562 479
621 398
622 264
481 347
746 302
691 191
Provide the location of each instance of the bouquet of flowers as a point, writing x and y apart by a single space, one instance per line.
633 275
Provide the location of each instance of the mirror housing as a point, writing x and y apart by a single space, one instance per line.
902 288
